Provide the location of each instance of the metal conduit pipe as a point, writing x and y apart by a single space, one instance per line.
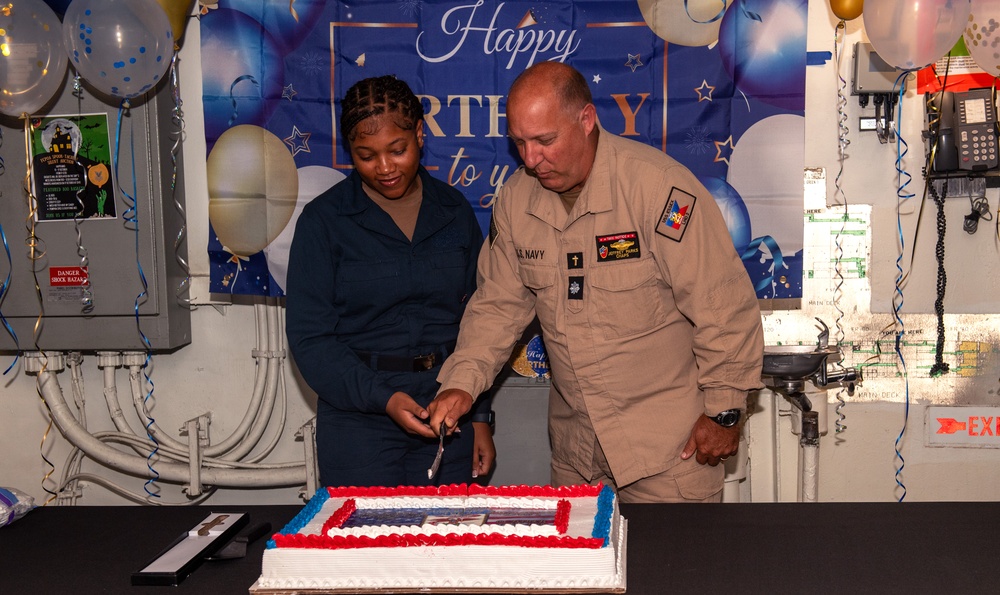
238 437
48 387
273 356
250 429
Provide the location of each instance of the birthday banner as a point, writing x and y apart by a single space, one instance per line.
718 85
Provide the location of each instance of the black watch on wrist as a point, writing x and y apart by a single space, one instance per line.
728 418
487 418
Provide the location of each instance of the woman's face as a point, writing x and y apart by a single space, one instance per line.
387 157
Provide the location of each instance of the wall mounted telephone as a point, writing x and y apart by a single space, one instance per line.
964 126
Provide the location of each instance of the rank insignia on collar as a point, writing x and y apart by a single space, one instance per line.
676 214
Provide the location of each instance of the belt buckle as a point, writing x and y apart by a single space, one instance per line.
424 362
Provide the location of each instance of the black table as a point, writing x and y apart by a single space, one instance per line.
939 548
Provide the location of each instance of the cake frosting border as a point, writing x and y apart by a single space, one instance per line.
608 535
290 536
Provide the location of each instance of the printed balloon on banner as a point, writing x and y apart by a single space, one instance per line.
982 35
910 34
289 23
122 48
32 56
734 210
242 72
313 181
252 188
693 23
762 44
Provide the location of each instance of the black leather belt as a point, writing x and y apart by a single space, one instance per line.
399 363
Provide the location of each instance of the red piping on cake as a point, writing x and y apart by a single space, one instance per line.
338 518
452 539
461 489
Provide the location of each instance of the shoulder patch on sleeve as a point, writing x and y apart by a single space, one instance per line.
676 214
493 229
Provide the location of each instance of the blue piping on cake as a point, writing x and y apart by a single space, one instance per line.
305 515
602 520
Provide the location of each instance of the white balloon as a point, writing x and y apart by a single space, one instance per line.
982 35
910 34
33 58
121 47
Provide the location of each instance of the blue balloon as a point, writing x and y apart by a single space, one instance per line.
289 23
242 72
734 210
762 44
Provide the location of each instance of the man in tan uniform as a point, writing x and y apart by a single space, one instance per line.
649 319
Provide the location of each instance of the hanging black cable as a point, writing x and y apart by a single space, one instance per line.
939 367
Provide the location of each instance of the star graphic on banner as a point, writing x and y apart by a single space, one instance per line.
597 79
633 62
288 92
704 91
720 146
298 141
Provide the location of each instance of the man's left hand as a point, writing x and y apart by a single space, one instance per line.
484 452
710 442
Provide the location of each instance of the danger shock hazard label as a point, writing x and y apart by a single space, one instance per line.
68 277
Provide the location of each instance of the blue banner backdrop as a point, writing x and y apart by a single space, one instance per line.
720 86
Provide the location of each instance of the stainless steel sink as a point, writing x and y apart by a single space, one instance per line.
796 362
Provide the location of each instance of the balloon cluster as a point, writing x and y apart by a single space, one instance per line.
982 35
911 34
121 48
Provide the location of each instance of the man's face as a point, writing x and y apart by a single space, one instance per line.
386 156
551 139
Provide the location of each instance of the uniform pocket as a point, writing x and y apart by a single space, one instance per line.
699 482
627 299
541 281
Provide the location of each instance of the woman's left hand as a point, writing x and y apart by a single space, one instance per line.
484 452
409 415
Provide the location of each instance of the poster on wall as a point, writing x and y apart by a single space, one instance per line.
719 86
71 168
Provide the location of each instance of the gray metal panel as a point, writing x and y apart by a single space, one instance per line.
120 258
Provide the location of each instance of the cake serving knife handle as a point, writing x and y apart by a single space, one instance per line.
437 458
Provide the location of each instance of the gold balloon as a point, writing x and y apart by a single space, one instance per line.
847 9
178 11
252 188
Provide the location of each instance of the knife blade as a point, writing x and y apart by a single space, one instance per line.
437 458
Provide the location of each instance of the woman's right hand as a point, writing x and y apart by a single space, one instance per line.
409 415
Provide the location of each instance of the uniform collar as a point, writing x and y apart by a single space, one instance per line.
437 209
595 198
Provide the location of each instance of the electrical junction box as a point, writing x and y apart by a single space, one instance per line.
872 74
105 273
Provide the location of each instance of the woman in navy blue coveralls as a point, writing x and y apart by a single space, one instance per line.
380 269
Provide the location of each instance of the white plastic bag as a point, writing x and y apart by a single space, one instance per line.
14 504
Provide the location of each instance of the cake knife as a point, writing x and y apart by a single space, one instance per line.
437 458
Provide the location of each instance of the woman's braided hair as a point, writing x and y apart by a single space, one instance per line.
377 96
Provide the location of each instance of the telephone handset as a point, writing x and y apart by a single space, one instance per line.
967 138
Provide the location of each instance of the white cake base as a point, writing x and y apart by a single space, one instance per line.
481 585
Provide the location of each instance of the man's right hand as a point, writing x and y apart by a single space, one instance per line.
409 415
449 406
